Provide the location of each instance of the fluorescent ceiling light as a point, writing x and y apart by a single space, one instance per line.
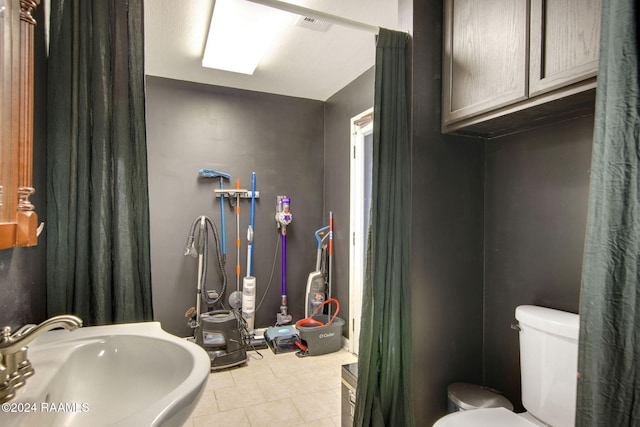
240 33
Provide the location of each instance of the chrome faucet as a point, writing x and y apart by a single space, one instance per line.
15 368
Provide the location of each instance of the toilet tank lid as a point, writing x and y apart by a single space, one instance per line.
549 320
472 396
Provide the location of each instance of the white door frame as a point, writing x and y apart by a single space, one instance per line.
361 126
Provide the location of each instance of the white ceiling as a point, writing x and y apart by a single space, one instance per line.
304 63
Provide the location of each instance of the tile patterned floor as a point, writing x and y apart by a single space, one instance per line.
277 389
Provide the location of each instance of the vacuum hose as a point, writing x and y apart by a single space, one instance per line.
203 239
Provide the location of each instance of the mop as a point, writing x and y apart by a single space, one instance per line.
253 217
236 297
210 173
238 243
330 270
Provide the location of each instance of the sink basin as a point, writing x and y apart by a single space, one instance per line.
132 374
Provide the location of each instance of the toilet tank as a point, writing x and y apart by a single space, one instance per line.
549 363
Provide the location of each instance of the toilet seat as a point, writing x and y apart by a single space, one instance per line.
486 417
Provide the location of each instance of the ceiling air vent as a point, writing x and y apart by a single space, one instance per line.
313 23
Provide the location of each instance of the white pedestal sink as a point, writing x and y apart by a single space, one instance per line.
132 374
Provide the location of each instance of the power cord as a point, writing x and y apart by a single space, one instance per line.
273 268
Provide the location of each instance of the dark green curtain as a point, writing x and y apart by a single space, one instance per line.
98 258
384 390
609 351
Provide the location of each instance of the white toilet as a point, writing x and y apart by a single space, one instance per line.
548 364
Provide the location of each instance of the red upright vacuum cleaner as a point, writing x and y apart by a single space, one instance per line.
316 291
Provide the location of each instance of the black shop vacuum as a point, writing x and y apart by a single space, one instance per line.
222 333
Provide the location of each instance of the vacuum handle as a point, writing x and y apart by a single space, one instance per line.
317 234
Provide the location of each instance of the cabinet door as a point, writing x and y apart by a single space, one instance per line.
484 56
565 40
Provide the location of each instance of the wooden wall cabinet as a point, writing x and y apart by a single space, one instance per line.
510 65
18 219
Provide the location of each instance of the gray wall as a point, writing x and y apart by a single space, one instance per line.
447 210
192 126
536 196
22 270
352 100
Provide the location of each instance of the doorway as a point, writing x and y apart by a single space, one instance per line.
361 154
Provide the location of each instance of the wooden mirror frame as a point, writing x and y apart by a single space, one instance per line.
21 230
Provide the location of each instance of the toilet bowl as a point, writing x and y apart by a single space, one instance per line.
488 417
549 362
